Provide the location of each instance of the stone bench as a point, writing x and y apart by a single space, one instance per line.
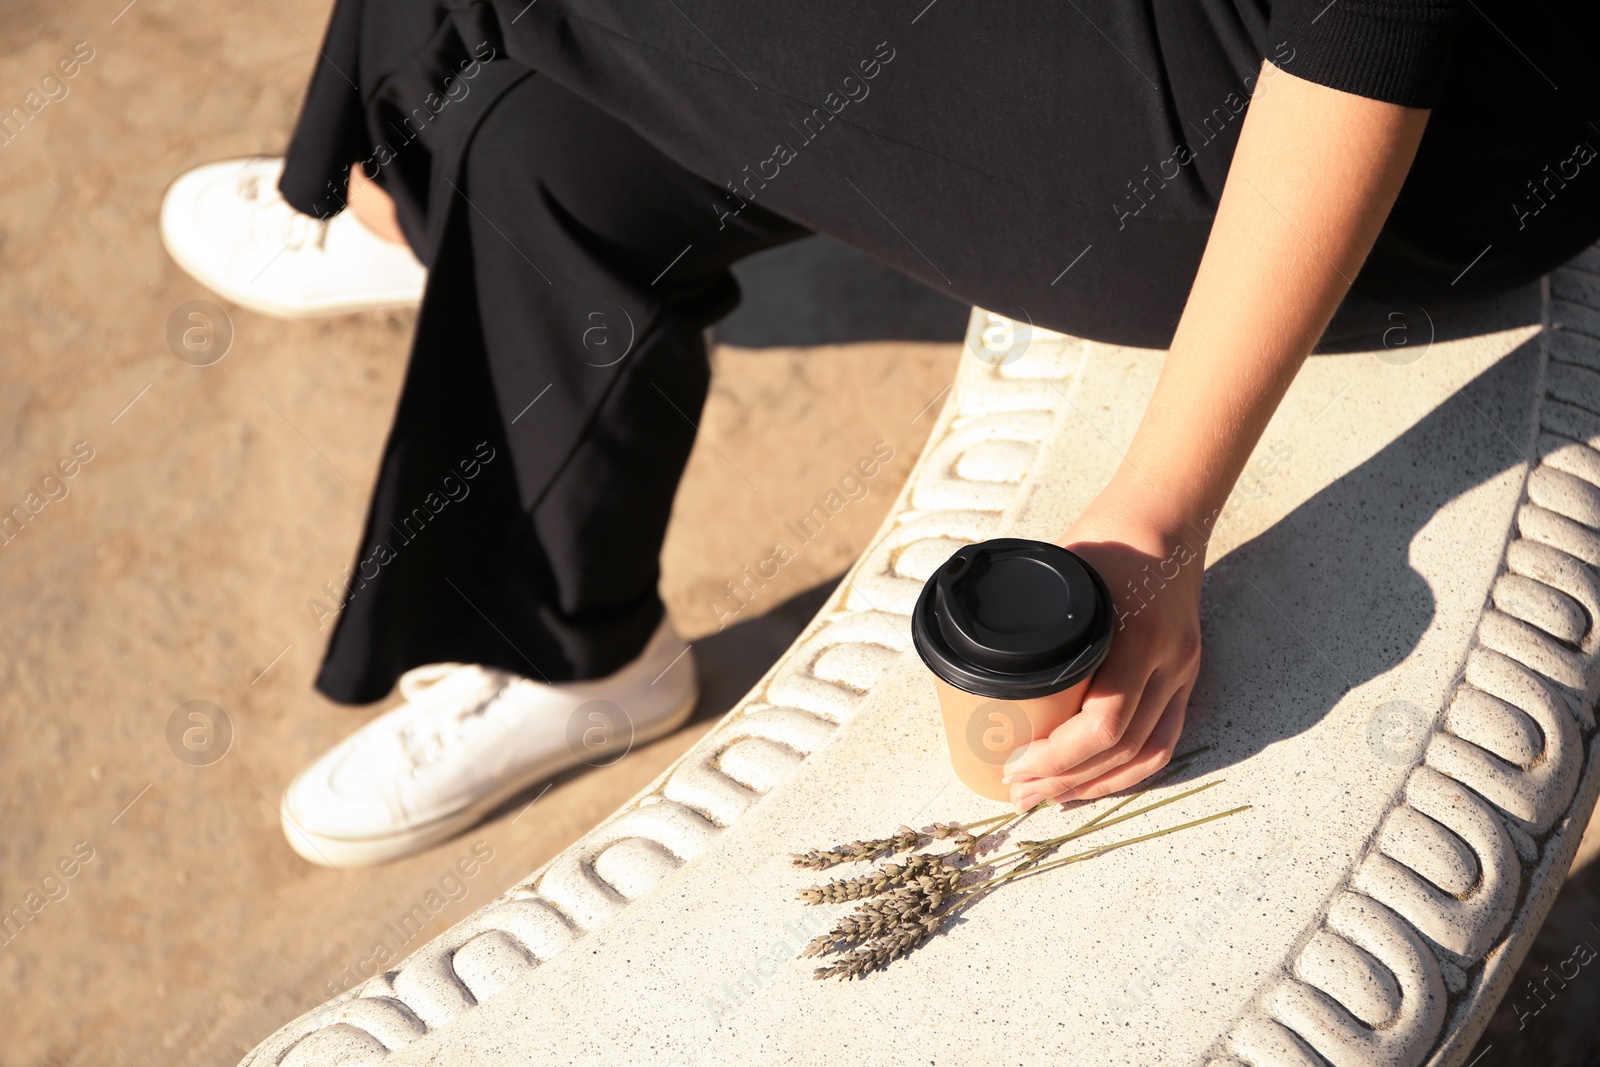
1400 675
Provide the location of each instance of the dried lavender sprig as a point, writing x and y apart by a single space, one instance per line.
883 930
894 874
862 924
891 876
896 910
922 887
845 945
861 961
904 840
965 841
926 880
875 919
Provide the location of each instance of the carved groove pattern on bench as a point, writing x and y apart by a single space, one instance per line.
1414 951
994 426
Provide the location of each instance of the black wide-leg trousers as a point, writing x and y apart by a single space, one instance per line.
556 380
579 176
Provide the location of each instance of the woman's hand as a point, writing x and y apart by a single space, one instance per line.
1133 711
1311 182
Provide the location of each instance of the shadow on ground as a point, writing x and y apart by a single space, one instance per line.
1341 564
732 661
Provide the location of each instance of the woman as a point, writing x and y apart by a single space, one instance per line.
1215 177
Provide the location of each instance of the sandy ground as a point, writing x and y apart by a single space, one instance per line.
216 501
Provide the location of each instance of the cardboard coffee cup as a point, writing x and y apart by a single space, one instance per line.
1012 630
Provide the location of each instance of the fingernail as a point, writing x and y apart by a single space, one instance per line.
1027 802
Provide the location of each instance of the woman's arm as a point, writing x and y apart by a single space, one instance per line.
1314 176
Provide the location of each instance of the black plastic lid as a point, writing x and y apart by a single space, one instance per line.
1013 619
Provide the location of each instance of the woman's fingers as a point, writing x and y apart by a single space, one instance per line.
1153 705
1153 756
1154 701
1108 709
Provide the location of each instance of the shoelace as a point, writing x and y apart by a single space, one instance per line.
450 698
274 222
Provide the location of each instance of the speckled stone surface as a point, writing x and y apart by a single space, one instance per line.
1400 670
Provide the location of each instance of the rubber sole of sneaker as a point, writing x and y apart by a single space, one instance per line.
339 852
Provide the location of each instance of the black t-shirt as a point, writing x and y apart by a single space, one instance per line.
1397 51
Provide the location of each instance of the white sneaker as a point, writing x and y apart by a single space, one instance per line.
227 224
466 740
